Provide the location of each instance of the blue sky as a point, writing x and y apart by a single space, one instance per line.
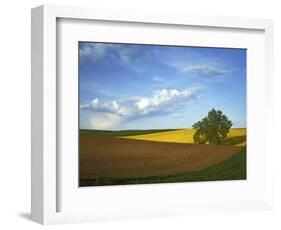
125 86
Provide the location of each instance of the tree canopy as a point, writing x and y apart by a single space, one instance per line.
212 129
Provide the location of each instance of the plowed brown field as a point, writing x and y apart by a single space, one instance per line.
116 157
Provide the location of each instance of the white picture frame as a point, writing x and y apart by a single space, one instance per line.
46 183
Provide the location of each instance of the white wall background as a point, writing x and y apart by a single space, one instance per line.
15 113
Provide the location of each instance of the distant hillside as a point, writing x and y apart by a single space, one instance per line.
121 132
236 136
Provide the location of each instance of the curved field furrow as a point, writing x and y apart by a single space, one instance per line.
120 157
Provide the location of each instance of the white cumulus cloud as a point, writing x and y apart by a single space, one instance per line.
109 114
104 121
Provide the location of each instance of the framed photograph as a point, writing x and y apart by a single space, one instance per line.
139 115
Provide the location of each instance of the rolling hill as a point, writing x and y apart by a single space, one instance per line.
236 136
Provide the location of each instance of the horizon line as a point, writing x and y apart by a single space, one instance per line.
150 129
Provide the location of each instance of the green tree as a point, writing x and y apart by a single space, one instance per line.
212 129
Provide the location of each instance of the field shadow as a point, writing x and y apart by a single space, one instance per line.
235 140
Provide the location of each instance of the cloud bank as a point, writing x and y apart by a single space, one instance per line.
205 71
95 51
124 54
109 114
